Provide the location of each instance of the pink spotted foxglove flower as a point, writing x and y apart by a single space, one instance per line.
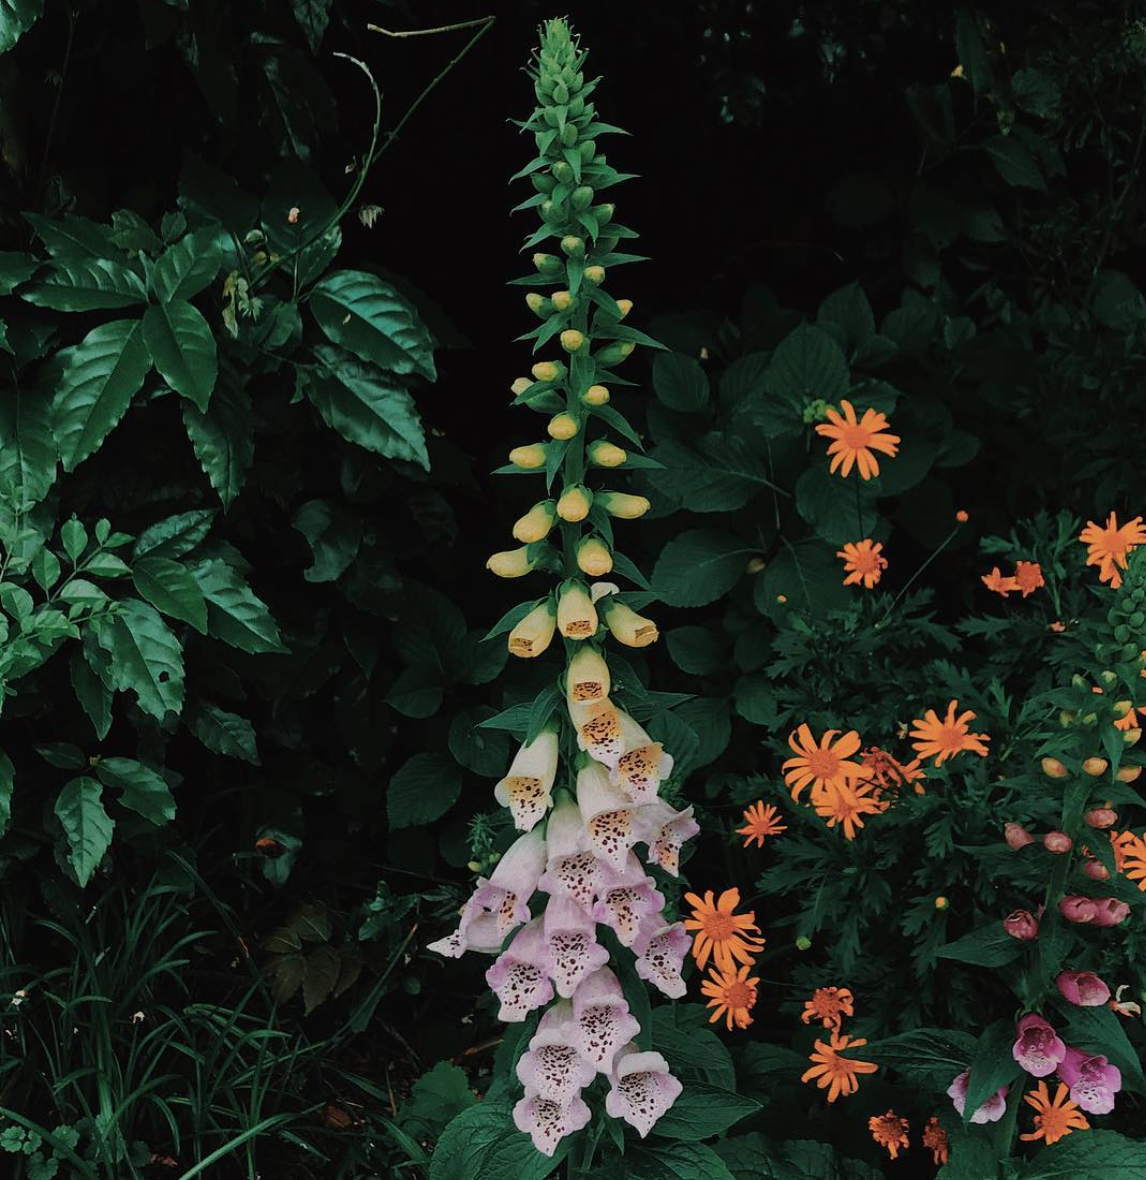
627 899
661 952
643 766
642 1089
665 830
1093 1081
554 1068
1083 988
990 1112
572 949
520 976
1038 1048
609 816
547 1122
601 1018
573 869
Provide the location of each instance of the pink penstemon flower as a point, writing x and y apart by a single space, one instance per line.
1038 1048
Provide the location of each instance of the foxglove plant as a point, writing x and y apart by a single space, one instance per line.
584 788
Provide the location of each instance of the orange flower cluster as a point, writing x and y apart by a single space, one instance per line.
889 774
944 739
1027 578
890 1131
729 938
863 562
935 1139
830 1071
1130 856
1108 546
1055 1117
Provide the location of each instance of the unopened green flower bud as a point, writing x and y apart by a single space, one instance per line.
548 371
520 385
582 197
605 213
616 352
595 275
561 300
562 171
803 943
548 264
626 305
572 340
543 182
588 150
569 134
539 305
606 454
561 93
573 246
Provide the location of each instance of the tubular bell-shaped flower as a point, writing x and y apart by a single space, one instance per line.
579 845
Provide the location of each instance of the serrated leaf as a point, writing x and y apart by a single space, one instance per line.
15 267
680 382
989 946
174 536
170 588
322 969
482 1143
234 613
1089 1155
147 658
101 376
27 449
145 790
224 437
86 284
371 319
87 826
93 695
334 536
225 733
698 567
187 267
1014 163
183 350
422 790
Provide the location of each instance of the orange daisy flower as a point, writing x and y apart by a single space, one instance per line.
838 1075
1130 856
863 562
889 773
997 582
824 766
935 1138
944 739
890 1131
1108 546
853 441
847 805
732 994
829 1005
1056 1117
760 821
1028 576
724 935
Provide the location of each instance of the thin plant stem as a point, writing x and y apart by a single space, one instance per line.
910 581
465 24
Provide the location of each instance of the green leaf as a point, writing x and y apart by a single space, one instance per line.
369 317
183 350
101 376
7 786
86 824
696 650
482 1143
312 17
91 692
482 751
16 18
72 236
422 790
189 266
992 1066
170 588
1014 163
1089 1155
86 284
366 406
175 536
756 700
693 1051
680 382
808 575
234 613
710 719
27 449
931 1057
719 474
322 969
680 1161
1098 1030
847 315
225 733
437 1097
972 51
146 658
15 268
989 946
224 437
807 366
145 791
334 536
840 510
698 567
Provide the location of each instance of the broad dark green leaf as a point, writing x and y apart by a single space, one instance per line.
1015 163
992 1066
91 692
334 536
27 448
87 826
680 382
313 17
189 266
234 613
678 1161
932 1057
15 268
366 406
170 588
422 790
145 790
989 946
223 732
72 236
699 567
86 284
482 1143
175 536
101 375
1089 1155
224 437
183 350
808 575
370 318
807 366
16 18
146 658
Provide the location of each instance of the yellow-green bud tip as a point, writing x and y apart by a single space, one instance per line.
595 395
572 340
563 426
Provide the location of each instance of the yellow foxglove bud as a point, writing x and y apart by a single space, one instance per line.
595 275
622 505
563 426
529 457
572 340
561 300
626 305
595 395
587 678
613 354
575 503
576 614
548 371
606 454
573 245
513 563
539 304
547 264
534 633
627 627
536 524
520 385
594 558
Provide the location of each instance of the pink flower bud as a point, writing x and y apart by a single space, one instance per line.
1109 911
1077 909
1021 924
1096 870
1057 842
292 216
1083 988
1101 817
1017 836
